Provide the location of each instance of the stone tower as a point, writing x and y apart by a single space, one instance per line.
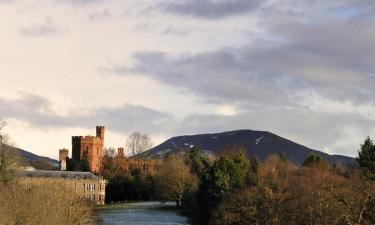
63 157
90 147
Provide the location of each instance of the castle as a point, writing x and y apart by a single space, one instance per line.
129 164
92 148
86 146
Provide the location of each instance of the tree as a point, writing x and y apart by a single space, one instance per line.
174 180
316 161
366 158
194 159
8 157
138 143
110 152
224 175
81 165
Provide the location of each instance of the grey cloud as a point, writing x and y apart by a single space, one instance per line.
335 58
216 9
323 48
220 76
38 112
47 28
209 9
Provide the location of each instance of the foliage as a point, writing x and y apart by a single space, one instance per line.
222 176
314 160
9 158
286 194
38 204
81 165
174 179
126 185
366 158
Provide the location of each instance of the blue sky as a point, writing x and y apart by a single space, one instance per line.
299 68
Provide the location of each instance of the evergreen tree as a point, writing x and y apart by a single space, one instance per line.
314 160
366 158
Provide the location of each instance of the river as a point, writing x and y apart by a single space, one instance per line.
141 213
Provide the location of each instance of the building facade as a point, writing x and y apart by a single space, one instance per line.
130 164
90 147
85 184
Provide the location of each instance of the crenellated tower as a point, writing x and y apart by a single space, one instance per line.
92 147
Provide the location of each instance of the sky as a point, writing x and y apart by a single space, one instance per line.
302 69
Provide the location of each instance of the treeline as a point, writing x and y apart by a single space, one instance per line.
234 189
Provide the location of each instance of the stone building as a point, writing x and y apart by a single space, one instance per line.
92 147
63 158
130 164
84 184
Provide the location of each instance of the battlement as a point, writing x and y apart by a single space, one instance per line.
76 138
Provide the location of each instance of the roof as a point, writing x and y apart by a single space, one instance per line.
58 174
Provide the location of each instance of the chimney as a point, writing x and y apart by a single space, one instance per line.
120 153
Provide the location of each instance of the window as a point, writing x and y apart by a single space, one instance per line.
92 187
87 187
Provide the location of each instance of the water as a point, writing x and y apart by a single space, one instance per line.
141 213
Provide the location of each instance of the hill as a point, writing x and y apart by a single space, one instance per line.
258 143
36 161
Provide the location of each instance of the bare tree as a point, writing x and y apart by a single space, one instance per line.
110 152
138 143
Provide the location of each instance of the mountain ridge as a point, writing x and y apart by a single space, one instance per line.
36 161
258 143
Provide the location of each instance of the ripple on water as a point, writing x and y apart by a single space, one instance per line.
142 213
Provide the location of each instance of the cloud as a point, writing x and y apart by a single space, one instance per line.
334 58
219 9
208 9
171 30
47 28
79 2
38 111
100 15
308 75
308 127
